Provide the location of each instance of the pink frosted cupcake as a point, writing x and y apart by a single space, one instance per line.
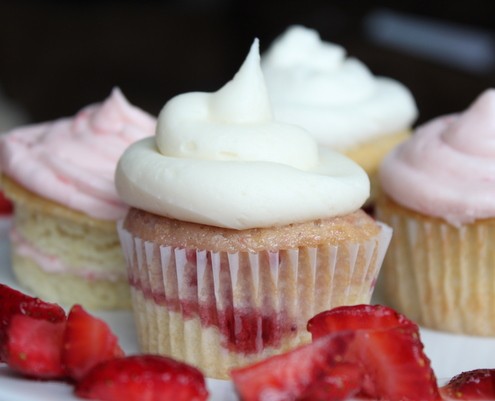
59 175
240 229
439 192
11 115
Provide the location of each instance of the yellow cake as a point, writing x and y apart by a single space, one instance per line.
47 234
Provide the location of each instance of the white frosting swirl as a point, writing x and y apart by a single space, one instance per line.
312 84
220 159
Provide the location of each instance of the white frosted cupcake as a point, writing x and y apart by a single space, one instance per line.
315 85
59 175
241 228
438 195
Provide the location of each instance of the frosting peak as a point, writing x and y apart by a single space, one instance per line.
313 84
474 131
72 160
447 168
220 159
244 99
114 114
234 123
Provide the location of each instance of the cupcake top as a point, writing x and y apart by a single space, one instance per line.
447 168
220 159
72 160
313 84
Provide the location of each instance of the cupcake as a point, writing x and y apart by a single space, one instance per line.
438 195
11 115
59 176
240 229
313 84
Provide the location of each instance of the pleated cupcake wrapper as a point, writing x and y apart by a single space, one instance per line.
289 286
441 276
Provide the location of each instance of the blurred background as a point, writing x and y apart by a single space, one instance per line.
58 56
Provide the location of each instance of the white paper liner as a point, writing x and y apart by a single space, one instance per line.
441 276
277 292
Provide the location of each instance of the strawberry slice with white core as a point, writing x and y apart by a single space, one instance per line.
340 382
296 373
387 347
394 364
87 342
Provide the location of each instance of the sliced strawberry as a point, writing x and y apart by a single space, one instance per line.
478 384
388 348
6 206
394 364
340 382
291 375
357 317
34 347
143 377
13 302
87 342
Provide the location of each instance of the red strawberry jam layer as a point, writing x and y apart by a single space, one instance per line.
243 330
250 315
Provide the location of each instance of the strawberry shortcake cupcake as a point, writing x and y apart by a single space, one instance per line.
60 177
241 228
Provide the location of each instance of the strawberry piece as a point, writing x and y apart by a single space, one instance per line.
357 317
6 206
34 347
387 346
295 374
13 302
478 384
340 382
394 364
87 342
143 377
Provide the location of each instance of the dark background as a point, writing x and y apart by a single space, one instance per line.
58 56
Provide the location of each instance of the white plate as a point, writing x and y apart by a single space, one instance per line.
450 354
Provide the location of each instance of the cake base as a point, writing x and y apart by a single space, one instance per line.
220 298
50 242
161 331
68 290
439 275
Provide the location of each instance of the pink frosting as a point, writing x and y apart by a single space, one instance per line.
54 264
72 161
447 168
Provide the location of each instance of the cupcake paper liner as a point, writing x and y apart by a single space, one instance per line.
218 310
439 275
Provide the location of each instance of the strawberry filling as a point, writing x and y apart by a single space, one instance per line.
243 328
